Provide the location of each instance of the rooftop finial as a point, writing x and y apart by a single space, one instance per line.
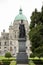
20 11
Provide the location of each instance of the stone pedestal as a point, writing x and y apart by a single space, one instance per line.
22 57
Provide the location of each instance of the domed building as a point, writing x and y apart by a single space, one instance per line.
9 41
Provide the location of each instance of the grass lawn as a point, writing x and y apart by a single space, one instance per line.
2 57
13 63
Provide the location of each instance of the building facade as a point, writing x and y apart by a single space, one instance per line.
9 41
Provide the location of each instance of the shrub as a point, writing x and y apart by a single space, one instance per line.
6 61
8 55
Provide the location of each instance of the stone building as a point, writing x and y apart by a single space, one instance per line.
9 41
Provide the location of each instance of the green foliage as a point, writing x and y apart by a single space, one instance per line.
36 33
8 55
6 61
32 55
35 19
31 63
36 61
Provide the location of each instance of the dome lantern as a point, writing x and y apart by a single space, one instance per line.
20 16
20 11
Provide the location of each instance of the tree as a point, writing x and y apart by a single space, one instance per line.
36 33
35 19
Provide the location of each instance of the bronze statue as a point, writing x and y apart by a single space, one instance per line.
22 33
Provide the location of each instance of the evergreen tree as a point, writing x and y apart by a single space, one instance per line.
36 33
35 19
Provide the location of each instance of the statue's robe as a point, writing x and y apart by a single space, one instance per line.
22 33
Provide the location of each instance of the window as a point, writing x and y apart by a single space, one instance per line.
11 49
0 51
5 43
5 47
0 43
0 47
10 42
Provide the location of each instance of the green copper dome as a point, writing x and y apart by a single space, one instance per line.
20 16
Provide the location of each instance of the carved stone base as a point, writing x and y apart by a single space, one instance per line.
22 58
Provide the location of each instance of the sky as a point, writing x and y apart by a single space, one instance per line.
10 8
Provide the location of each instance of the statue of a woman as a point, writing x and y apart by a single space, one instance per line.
22 33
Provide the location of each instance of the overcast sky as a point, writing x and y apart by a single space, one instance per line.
10 8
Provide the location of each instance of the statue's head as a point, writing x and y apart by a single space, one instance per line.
21 21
